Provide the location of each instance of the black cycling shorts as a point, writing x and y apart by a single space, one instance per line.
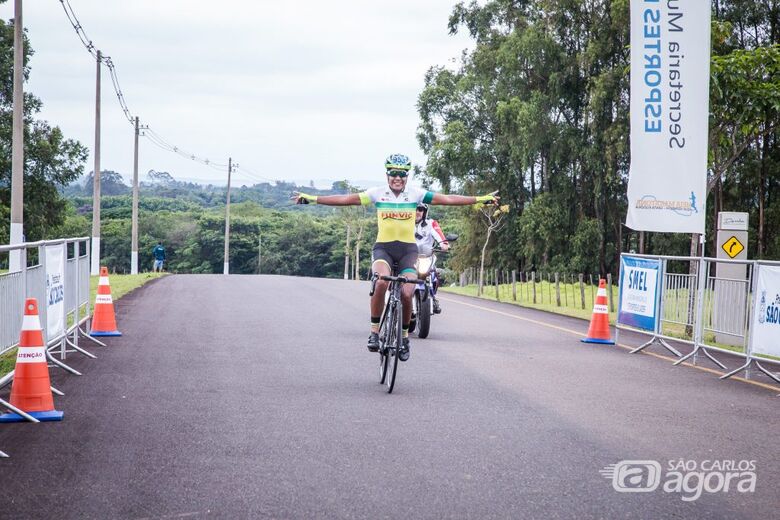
400 254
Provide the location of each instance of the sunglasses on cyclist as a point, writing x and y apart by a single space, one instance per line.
397 173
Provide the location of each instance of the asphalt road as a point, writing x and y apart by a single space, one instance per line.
255 397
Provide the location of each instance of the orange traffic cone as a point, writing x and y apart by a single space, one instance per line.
598 332
103 319
31 388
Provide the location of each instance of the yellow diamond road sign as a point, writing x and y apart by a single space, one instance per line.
733 247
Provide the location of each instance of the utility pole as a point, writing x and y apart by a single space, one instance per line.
259 253
134 241
346 254
95 267
17 146
227 220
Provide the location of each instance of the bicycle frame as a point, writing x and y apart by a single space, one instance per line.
393 301
390 327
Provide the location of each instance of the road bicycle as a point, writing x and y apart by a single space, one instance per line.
390 328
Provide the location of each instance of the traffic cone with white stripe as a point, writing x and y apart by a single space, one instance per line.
104 319
598 332
31 388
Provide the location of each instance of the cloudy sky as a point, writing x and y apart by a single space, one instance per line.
291 90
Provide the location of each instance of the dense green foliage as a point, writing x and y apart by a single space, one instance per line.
539 109
265 227
189 220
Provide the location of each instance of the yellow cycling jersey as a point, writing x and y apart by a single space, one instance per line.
395 213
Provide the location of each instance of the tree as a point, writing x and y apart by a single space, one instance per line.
539 109
156 177
354 220
50 160
493 218
539 106
745 107
111 183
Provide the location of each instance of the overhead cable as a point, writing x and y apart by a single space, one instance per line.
74 21
153 136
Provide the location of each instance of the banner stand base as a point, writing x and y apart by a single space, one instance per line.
87 336
79 349
693 354
746 368
660 341
767 372
16 410
61 364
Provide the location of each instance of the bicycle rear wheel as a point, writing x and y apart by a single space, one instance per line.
394 346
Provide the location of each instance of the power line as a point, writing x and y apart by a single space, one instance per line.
74 21
154 137
253 175
87 42
150 134
158 140
161 143
118 90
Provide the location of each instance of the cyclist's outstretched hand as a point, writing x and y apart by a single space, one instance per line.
491 199
303 198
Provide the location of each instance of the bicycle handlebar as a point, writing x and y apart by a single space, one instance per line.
400 279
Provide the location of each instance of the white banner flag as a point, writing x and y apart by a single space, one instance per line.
55 291
670 88
766 316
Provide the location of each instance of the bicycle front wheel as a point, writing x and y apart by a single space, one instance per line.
384 340
383 359
394 346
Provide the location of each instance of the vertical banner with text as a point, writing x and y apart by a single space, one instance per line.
670 73
766 316
639 289
55 291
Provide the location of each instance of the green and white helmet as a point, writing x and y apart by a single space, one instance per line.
398 161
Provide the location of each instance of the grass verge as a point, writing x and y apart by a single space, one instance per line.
121 284
571 305
546 299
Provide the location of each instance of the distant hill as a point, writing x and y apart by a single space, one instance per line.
162 185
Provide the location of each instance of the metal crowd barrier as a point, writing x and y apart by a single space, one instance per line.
30 281
697 307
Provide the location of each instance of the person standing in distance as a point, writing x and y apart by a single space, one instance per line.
159 257
396 206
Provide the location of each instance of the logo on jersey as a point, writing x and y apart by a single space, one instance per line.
397 215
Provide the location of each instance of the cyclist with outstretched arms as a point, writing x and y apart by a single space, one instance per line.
396 205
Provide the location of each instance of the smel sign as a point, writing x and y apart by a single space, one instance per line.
639 280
